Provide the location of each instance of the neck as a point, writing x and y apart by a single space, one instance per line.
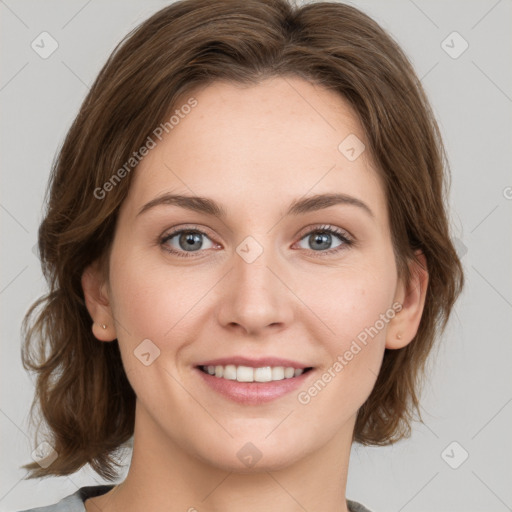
165 476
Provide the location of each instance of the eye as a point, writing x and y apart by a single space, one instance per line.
321 239
186 241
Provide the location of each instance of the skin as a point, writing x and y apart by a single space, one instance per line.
253 150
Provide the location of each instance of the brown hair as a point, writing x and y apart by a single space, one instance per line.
82 389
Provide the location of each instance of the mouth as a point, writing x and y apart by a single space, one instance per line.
241 373
252 385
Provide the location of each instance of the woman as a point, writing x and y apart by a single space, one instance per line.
248 255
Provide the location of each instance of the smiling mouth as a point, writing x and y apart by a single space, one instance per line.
242 373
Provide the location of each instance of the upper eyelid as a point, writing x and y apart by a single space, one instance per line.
173 232
325 227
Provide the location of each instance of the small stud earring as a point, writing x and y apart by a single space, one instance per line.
399 336
103 326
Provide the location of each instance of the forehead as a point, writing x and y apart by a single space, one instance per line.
268 144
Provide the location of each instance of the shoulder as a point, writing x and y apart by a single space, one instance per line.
354 506
74 502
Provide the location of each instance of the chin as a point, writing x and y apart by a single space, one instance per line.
254 454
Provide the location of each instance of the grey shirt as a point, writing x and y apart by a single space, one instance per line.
75 502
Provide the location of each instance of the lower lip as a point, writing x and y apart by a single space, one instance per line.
253 393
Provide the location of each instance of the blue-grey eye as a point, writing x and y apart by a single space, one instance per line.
188 240
321 240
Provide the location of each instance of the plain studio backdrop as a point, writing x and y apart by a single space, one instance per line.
460 459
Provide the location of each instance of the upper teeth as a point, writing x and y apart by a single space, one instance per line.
249 374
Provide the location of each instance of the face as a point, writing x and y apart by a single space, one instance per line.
257 286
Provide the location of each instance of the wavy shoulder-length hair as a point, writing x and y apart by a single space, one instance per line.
82 390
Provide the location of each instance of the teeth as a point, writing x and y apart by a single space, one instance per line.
289 373
249 374
245 374
229 372
277 373
263 374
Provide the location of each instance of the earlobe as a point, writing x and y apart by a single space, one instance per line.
405 324
98 303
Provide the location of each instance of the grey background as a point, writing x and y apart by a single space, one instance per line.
468 396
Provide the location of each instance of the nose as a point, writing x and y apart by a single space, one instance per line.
256 296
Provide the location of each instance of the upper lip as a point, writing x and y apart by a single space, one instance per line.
254 363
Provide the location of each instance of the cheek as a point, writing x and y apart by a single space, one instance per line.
135 299
149 302
356 309
354 300
152 299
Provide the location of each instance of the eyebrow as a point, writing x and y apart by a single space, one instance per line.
297 207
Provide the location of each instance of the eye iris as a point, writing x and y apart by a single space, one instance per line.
188 238
324 239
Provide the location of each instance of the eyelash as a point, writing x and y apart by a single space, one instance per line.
342 235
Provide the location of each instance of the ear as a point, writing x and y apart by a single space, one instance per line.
404 326
97 302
